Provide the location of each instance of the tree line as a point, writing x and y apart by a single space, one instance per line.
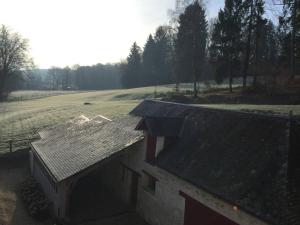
240 42
96 77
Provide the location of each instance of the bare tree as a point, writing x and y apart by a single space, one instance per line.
66 81
54 77
13 57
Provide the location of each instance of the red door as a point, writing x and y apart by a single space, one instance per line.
198 214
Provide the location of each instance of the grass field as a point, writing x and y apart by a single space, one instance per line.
29 95
22 119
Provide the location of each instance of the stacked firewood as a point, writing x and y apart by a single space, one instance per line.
35 200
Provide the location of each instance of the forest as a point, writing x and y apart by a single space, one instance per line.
240 42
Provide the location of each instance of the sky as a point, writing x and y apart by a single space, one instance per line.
86 32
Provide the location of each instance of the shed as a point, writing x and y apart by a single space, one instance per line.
67 152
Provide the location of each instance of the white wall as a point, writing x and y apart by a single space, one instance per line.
54 195
159 145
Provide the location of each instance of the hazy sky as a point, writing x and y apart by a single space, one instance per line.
86 32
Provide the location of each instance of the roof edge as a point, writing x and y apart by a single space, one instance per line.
265 115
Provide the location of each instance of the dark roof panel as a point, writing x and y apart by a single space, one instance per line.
240 157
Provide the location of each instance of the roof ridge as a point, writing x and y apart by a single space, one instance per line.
256 113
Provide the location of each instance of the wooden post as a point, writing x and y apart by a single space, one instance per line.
10 146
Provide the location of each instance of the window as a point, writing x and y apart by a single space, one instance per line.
150 183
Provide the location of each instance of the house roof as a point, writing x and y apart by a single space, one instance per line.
72 147
150 108
237 156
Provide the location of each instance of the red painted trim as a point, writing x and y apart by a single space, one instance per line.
151 148
197 213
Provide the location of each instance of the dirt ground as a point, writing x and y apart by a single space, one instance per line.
14 170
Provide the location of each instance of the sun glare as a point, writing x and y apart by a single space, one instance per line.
85 32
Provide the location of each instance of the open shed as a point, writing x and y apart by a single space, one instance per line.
67 156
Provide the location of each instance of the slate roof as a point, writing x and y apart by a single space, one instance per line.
70 148
240 157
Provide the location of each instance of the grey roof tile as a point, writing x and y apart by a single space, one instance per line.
70 148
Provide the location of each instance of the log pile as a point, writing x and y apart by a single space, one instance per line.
35 200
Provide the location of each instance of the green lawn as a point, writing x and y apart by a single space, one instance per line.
22 119
29 95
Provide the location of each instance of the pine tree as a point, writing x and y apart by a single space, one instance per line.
163 54
157 57
266 53
149 67
132 70
225 49
190 46
253 11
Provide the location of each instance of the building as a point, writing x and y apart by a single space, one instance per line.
181 165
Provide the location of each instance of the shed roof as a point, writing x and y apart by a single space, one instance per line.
70 148
237 156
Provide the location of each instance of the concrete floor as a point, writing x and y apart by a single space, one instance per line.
125 219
